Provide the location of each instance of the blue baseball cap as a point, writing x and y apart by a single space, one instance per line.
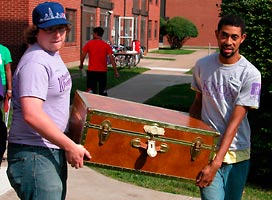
49 14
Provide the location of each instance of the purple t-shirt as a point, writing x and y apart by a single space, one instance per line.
42 75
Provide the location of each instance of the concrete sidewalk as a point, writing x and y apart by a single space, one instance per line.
162 73
87 184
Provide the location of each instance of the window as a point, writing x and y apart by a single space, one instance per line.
143 7
136 4
71 17
149 28
143 31
156 30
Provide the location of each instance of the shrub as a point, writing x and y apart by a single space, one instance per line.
258 44
257 49
178 30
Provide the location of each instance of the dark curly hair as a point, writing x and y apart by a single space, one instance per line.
31 32
232 20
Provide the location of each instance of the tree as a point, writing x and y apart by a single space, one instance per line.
178 30
257 49
163 23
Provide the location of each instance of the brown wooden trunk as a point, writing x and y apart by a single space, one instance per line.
115 132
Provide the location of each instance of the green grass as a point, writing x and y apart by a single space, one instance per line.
163 184
156 58
178 97
79 83
173 51
170 185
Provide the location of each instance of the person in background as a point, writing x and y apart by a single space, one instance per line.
98 51
38 148
6 82
227 85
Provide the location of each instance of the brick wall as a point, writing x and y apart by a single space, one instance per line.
13 19
203 13
154 15
71 52
16 15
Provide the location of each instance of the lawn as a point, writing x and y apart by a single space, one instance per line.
253 190
171 99
79 82
172 51
256 189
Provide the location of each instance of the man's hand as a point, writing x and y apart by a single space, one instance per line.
206 175
76 156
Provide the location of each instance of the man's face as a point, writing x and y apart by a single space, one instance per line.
229 40
52 38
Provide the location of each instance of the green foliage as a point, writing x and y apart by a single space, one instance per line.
257 49
163 23
171 99
173 51
179 97
178 30
164 184
258 44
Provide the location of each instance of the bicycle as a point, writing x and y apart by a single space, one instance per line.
127 58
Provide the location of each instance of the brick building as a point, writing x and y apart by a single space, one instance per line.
16 16
203 13
123 21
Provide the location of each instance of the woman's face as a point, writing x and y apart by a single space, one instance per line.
52 38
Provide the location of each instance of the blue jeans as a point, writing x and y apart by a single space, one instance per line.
37 173
228 183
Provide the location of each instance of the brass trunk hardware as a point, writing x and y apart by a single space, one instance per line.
164 148
153 130
104 131
195 148
137 143
150 145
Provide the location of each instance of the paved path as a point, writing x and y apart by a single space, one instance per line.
87 184
163 73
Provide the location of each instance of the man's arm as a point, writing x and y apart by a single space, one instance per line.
34 115
195 109
9 80
82 58
207 174
116 73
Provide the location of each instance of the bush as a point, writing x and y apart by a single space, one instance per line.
258 44
178 30
257 49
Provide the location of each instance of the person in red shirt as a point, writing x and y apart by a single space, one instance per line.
98 51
